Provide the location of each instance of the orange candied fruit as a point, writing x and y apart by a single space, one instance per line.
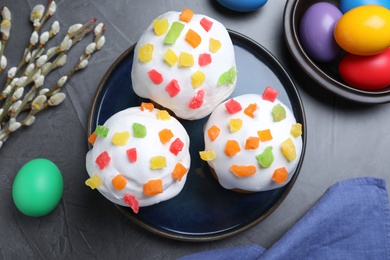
179 171
243 170
232 148
92 138
213 132
280 175
186 15
193 38
119 182
165 135
153 187
264 135
147 106
249 111
252 143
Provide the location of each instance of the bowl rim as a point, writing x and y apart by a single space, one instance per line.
312 70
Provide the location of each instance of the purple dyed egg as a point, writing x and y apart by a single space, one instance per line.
316 31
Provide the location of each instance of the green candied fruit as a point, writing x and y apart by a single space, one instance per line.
278 113
139 130
227 77
101 131
266 157
173 33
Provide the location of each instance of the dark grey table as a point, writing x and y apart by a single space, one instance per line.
344 140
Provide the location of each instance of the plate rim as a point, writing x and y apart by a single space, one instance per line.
223 234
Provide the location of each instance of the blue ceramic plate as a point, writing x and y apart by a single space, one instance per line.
205 211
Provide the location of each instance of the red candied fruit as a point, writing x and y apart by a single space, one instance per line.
103 160
132 202
270 94
176 146
132 154
155 76
206 24
173 88
204 59
197 101
233 106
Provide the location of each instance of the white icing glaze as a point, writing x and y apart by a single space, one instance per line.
139 172
262 179
222 61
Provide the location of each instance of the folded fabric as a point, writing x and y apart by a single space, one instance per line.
350 221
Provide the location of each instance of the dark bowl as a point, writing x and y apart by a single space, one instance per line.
325 74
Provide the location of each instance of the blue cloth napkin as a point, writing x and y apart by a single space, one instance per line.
350 221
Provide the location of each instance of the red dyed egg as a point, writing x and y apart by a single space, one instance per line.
366 72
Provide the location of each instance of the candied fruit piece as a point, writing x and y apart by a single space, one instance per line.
160 26
278 113
176 146
206 24
139 130
153 187
131 201
179 171
193 38
197 101
186 59
250 110
103 160
155 76
197 78
186 15
213 132
132 154
232 148
119 182
252 143
145 53
101 131
165 135
120 138
227 77
204 59
214 45
243 170
92 138
158 162
147 106
232 106
170 57
207 155
270 94
296 130
288 149
93 182
173 88
266 158
173 33
235 125
280 175
163 115
264 135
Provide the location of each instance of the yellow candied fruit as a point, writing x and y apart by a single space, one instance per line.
207 155
280 175
147 106
120 138
232 148
296 130
213 132
235 125
186 59
243 170
160 26
158 162
170 57
197 78
165 135
93 182
214 45
119 182
145 53
153 187
163 115
250 110
288 149
179 171
252 143
264 135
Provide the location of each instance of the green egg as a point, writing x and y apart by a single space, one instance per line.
37 188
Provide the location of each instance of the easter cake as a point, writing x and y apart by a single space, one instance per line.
252 142
185 63
140 157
